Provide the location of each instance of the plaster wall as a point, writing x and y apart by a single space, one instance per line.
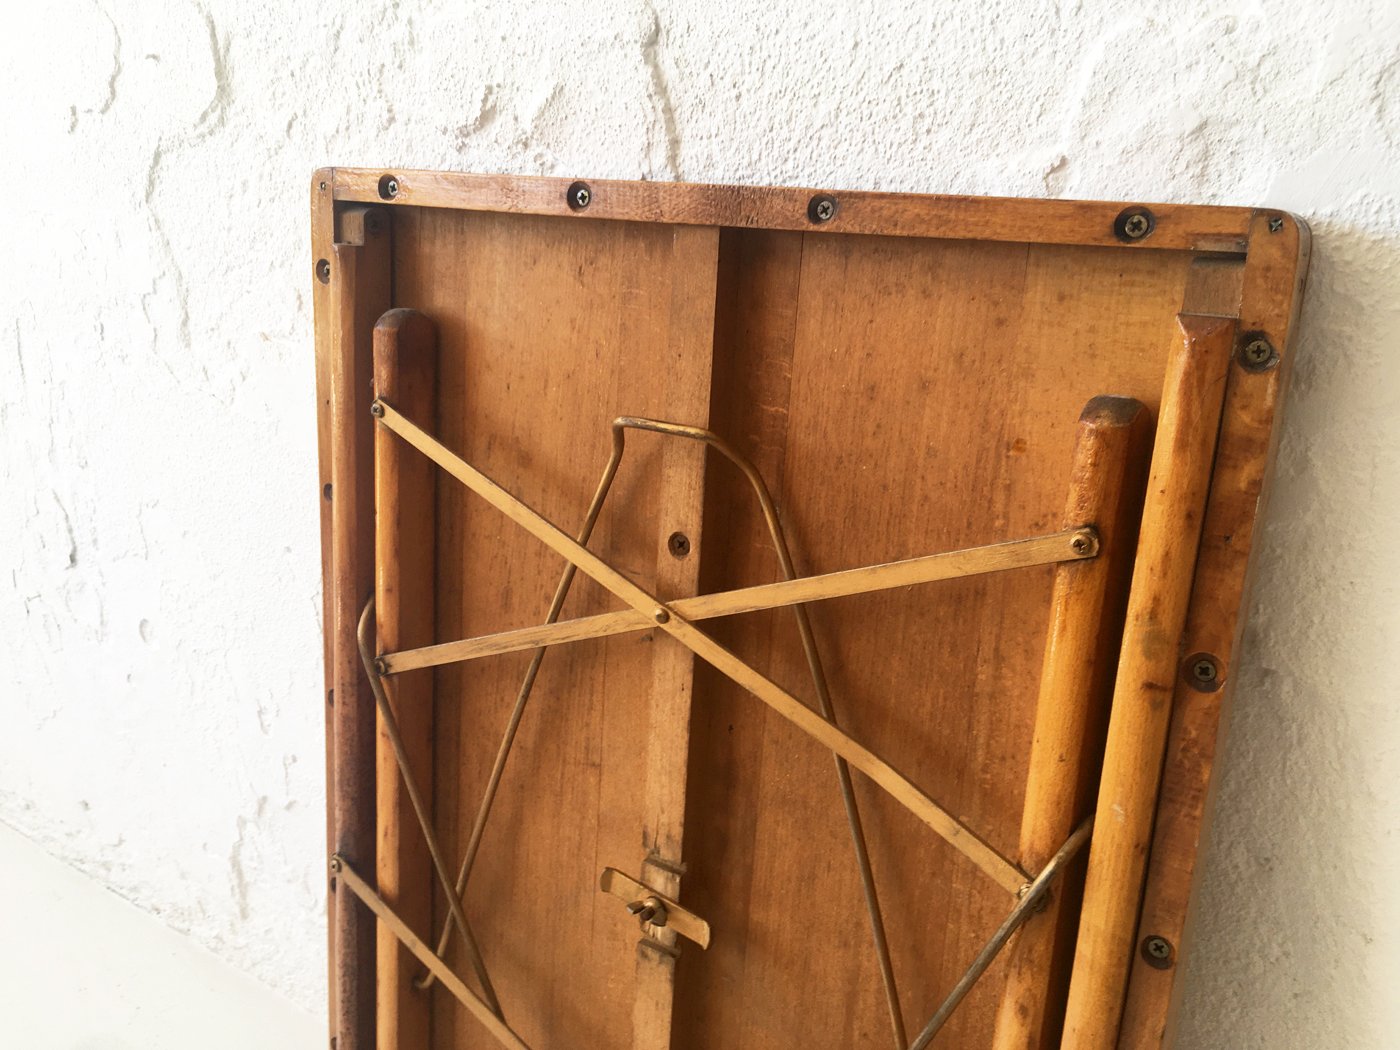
160 715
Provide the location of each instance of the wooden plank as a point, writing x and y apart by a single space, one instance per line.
405 486
360 288
1268 305
322 237
1174 226
686 371
1187 428
1111 455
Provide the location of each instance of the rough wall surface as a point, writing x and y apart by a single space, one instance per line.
162 719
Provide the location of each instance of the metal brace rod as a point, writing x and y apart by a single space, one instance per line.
1025 907
1067 545
984 856
385 914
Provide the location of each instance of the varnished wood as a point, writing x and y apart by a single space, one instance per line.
359 286
1268 304
902 394
405 485
787 208
1182 455
686 372
1086 617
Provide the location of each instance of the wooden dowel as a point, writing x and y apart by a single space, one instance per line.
1111 456
359 285
405 485
1182 458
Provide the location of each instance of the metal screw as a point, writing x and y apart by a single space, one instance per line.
661 615
381 667
579 196
391 188
821 208
1135 226
335 862
323 185
1204 670
323 271
650 910
1081 545
1275 224
377 410
678 544
1258 355
1157 951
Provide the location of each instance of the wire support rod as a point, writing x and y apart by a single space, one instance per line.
984 856
1025 907
489 1019
420 809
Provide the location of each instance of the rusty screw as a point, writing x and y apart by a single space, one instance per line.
1135 226
1204 670
678 544
821 208
1081 545
377 410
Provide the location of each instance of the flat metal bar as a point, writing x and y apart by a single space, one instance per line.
351 879
1074 544
1025 907
678 917
1002 871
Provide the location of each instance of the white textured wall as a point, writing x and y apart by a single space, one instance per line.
160 715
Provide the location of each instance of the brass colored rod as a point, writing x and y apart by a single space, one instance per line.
522 698
1067 545
1006 874
391 727
1032 897
478 1009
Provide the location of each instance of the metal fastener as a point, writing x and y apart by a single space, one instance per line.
1133 224
1204 672
381 667
335 863
661 615
377 410
1083 544
579 196
821 208
389 187
678 544
323 271
1258 354
1275 224
1157 951
323 185
650 910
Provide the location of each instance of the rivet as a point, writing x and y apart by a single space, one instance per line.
323 271
821 208
578 196
678 544
389 187
377 410
661 615
1157 951
1133 224
1257 354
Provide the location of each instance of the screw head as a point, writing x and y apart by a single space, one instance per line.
821 208
1258 354
1203 672
388 187
1157 951
381 666
377 410
323 186
678 544
578 196
323 271
1133 224
661 615
1275 224
335 863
